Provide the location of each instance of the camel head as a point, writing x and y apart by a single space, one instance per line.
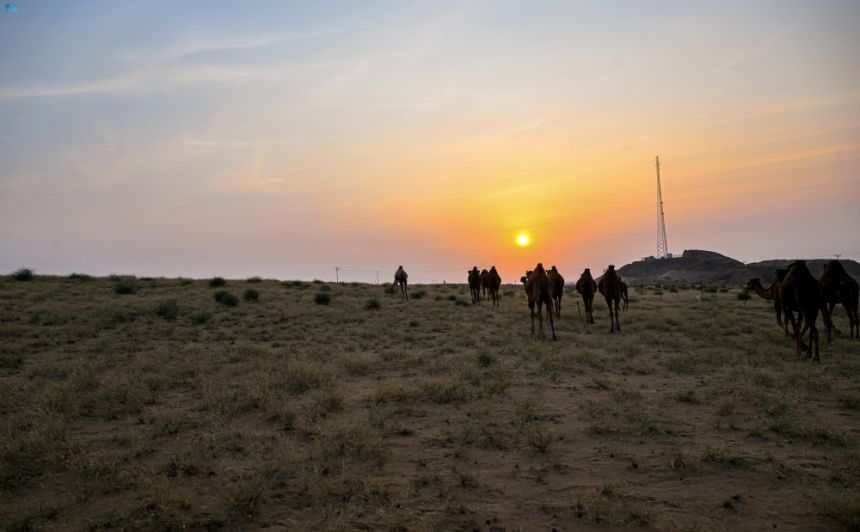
781 273
539 267
492 268
587 271
553 268
752 283
611 268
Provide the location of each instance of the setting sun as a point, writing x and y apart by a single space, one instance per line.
523 240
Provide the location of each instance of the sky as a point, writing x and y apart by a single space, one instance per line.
285 139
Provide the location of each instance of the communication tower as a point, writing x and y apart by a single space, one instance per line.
662 243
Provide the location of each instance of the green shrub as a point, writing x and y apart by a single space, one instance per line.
389 288
419 294
322 299
226 298
744 295
24 274
372 304
80 277
125 285
167 309
462 303
200 318
254 279
216 282
251 295
324 288
452 297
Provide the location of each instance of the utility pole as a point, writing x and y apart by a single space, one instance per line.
377 277
837 255
337 274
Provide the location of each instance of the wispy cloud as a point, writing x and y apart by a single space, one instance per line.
140 82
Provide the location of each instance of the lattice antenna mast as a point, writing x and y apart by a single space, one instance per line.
662 243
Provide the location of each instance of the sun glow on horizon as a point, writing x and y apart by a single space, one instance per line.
523 240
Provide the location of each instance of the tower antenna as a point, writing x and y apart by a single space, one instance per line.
662 243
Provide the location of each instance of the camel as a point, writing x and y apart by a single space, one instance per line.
539 290
624 296
557 289
475 285
800 292
772 293
839 287
400 277
587 288
495 284
609 286
485 283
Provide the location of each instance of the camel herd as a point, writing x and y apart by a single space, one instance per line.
543 288
796 291
798 297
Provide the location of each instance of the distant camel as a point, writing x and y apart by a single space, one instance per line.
475 285
400 277
609 286
539 289
495 284
557 289
800 292
772 293
587 288
624 296
839 287
485 283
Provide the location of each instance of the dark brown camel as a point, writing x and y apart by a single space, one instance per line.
495 284
557 289
624 296
475 285
609 286
839 287
587 288
400 277
771 293
539 291
800 292
485 283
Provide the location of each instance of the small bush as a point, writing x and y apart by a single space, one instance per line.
226 298
251 295
167 309
125 285
419 294
317 281
372 304
462 303
200 318
744 295
322 299
254 279
389 289
452 297
216 282
80 277
24 274
325 288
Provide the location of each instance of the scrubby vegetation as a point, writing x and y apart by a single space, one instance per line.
166 410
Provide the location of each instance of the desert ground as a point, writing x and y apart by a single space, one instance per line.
145 404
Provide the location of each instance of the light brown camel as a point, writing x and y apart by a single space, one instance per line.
400 277
624 296
539 291
609 286
485 283
839 287
771 293
495 284
475 285
587 288
557 289
800 292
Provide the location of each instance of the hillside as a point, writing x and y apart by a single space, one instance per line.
711 267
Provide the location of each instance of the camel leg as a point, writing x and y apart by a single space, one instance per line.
552 327
611 319
540 317
813 337
617 317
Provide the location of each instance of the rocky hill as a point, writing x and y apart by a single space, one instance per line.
700 265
